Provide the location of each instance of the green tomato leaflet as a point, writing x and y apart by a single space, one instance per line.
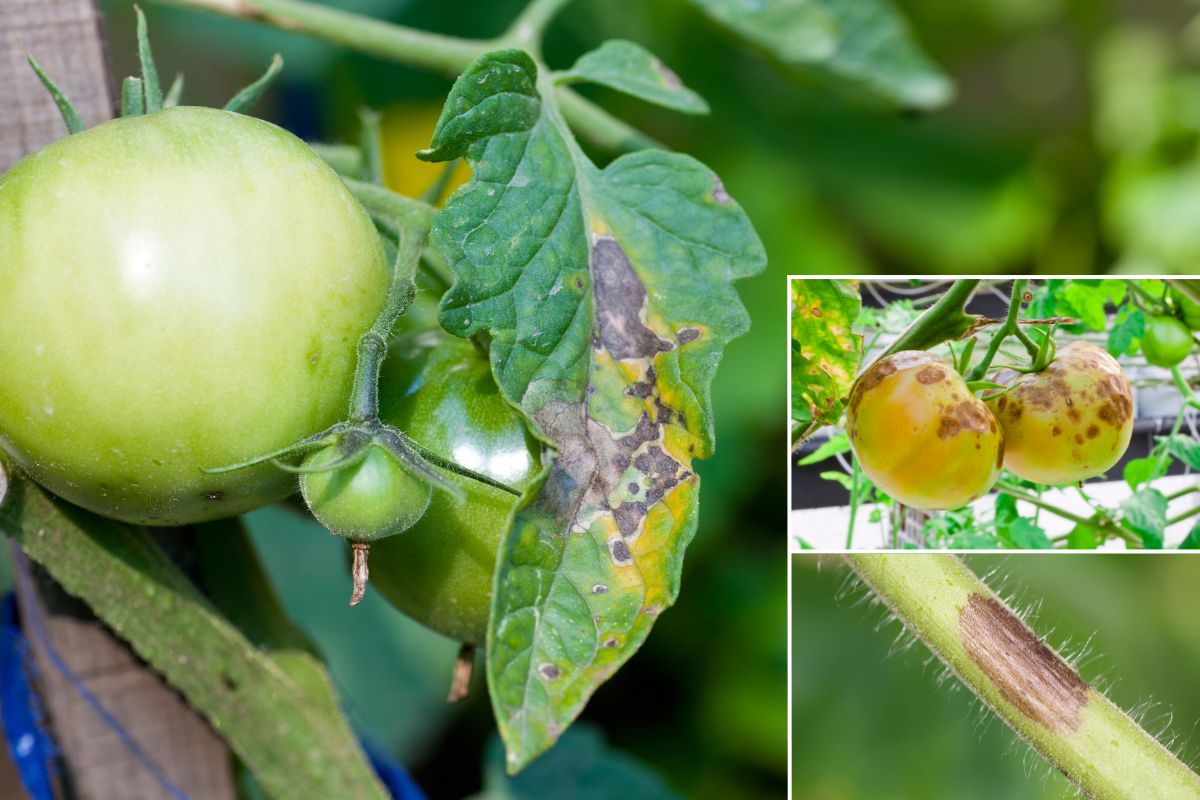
177 291
439 389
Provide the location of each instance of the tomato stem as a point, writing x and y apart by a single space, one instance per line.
944 321
1105 523
448 55
1025 682
360 571
1008 328
460 679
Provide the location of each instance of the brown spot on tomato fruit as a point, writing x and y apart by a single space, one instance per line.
931 374
1029 675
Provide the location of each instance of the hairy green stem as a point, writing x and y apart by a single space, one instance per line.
373 345
944 321
853 503
448 55
527 29
1027 684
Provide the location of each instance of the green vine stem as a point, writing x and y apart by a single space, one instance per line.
1027 684
448 55
1105 524
1009 327
278 715
943 321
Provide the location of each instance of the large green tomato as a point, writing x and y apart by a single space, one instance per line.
1166 342
177 291
920 434
439 390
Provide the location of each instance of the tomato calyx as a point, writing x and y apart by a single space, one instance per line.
144 95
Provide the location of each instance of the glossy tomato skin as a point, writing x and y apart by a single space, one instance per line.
1071 421
439 390
920 434
1166 342
366 501
177 291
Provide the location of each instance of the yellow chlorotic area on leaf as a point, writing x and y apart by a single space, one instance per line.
920 434
1069 422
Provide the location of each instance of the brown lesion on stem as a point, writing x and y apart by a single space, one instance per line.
359 570
464 668
1029 674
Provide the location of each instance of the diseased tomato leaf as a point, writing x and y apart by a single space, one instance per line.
862 42
825 351
608 295
634 70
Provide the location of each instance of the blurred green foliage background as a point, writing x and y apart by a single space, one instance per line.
872 723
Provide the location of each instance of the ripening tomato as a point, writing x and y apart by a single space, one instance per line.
1166 342
178 291
920 434
365 501
1069 422
439 390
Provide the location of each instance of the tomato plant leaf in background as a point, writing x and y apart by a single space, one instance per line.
1184 448
634 70
825 351
1086 300
1192 541
1146 513
1143 470
864 42
1126 332
583 767
608 296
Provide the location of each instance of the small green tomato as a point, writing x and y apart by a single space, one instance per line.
365 501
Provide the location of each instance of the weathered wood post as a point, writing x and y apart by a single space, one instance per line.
153 745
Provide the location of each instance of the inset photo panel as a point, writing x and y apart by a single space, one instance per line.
934 676
1023 413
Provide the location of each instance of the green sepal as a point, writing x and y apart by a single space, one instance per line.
65 107
244 100
151 89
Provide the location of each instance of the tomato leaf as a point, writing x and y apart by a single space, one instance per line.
862 42
1027 535
608 297
1127 329
1083 537
825 350
634 70
582 759
835 445
1146 513
1192 541
1143 470
1184 448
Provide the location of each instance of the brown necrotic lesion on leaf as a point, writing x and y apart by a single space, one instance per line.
1030 676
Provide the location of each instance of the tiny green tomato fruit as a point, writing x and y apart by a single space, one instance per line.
439 390
367 500
920 434
1069 422
1166 342
178 291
